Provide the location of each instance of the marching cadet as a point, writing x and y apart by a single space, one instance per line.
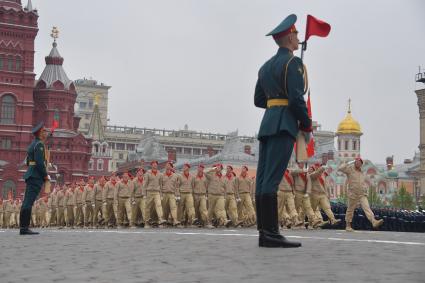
60 206
87 202
244 187
286 202
152 185
123 198
200 185
34 213
97 201
17 207
108 200
356 193
42 211
231 196
319 194
216 200
78 204
138 212
1 213
302 198
52 207
8 210
186 205
170 194
68 202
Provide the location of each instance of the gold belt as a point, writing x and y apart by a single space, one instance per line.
277 102
31 163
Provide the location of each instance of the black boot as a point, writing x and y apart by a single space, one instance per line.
25 218
259 220
269 218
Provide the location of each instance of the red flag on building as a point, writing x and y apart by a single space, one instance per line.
55 122
310 146
316 27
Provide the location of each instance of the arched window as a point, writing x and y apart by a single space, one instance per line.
10 64
7 110
346 145
1 62
100 165
354 145
91 164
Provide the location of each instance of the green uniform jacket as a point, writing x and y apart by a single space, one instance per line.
35 152
271 85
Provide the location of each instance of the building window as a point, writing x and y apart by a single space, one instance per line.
10 64
196 151
187 151
7 111
100 165
6 143
354 145
18 64
346 145
91 164
90 103
1 63
83 105
120 156
339 145
120 146
130 147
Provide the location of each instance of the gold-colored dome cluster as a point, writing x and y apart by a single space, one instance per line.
349 125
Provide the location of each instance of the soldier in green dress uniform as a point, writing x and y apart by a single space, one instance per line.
35 176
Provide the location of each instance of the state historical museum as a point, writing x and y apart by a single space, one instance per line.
25 101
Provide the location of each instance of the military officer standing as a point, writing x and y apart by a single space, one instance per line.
35 176
280 89
356 193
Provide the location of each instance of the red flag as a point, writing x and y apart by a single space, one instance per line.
55 122
316 27
310 146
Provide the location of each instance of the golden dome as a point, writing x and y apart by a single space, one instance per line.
349 125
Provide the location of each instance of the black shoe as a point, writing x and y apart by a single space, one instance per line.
270 236
26 231
259 220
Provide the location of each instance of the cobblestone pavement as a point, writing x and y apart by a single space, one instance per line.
199 255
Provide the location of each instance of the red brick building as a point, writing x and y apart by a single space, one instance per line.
25 102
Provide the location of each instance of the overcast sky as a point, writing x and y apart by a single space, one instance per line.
172 63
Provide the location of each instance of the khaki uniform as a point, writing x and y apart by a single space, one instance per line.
319 195
8 210
138 212
51 204
17 213
60 208
42 213
356 193
123 198
87 205
78 206
169 191
34 214
152 185
216 200
244 188
108 203
1 214
97 203
186 204
69 208
231 196
200 198
302 199
286 201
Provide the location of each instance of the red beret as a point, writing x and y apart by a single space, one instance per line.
187 164
154 161
171 163
231 167
246 167
201 166
359 159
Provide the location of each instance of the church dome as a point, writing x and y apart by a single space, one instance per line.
349 125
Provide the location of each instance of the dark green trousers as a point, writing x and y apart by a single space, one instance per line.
32 191
274 155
